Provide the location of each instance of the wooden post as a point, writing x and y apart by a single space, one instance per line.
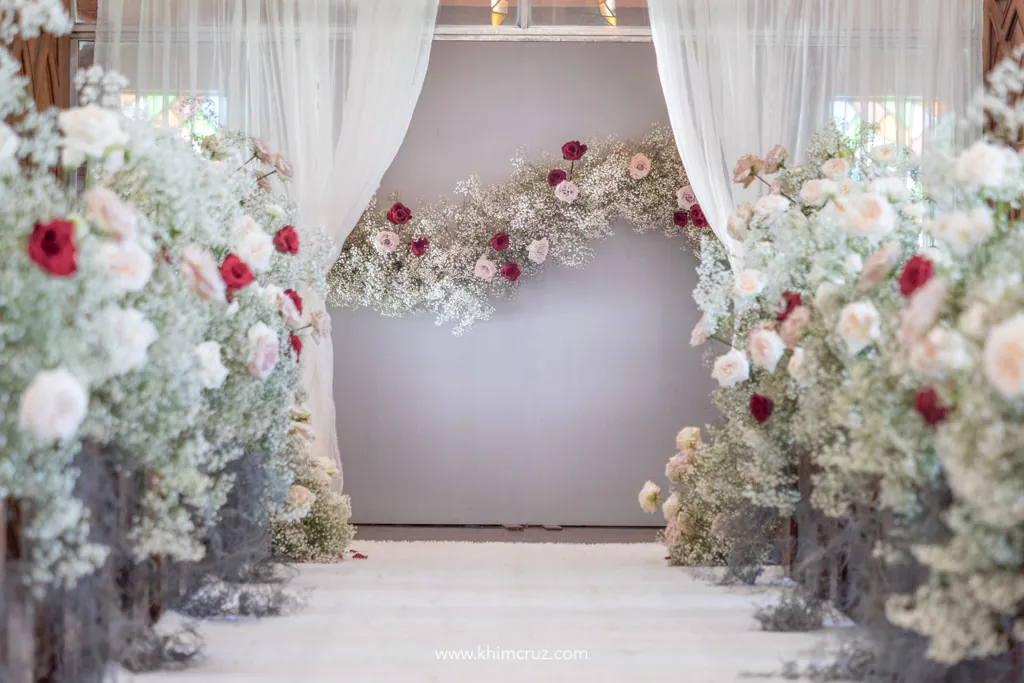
1003 30
17 630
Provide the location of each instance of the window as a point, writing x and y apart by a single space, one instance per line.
197 117
543 20
899 121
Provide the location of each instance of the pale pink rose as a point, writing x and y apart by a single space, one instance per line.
678 466
111 215
747 169
879 265
775 159
567 191
127 264
702 330
264 350
639 166
386 242
262 152
1004 357
836 168
538 250
766 348
672 535
688 439
731 369
939 352
686 198
320 322
860 326
921 312
794 326
485 269
283 168
262 181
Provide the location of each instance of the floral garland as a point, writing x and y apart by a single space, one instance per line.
451 259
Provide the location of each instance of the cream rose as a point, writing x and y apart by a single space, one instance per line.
264 350
748 283
538 250
868 215
485 269
126 334
202 274
701 331
770 204
879 265
686 198
89 133
825 295
127 263
649 497
211 370
53 405
678 466
797 366
986 166
817 192
974 321
893 189
766 348
639 166
672 506
747 169
731 369
301 498
835 168
736 228
745 212
794 326
859 326
939 352
256 248
921 312
111 215
884 154
1004 357
385 242
962 231
688 439
567 191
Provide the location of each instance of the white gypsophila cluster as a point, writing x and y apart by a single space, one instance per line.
25 19
443 258
96 85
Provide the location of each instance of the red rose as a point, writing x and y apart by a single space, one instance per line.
296 299
399 214
555 176
916 273
419 247
235 272
286 240
296 345
573 150
52 247
500 241
929 407
681 218
698 217
761 407
790 300
511 272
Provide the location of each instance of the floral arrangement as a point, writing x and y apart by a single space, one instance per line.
451 259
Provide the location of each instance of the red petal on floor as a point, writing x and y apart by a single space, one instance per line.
358 556
668 557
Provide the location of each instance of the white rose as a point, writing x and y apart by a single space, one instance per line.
817 192
202 274
974 321
126 334
921 312
275 211
879 265
485 269
639 166
301 498
794 326
672 506
649 497
731 369
688 438
678 466
701 331
859 326
986 166
89 132
745 212
853 263
256 249
765 348
53 406
567 191
111 215
846 187
386 242
264 350
915 211
961 231
212 372
939 352
686 198
538 250
128 264
894 189
9 142
797 366
884 154
769 204
736 228
835 168
868 215
749 283
1004 357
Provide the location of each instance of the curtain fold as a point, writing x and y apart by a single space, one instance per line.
740 76
332 84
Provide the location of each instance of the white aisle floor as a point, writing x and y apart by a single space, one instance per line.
402 615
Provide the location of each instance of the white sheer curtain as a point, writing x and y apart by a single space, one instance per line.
742 75
330 83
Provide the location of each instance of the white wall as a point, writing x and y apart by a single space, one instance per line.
560 407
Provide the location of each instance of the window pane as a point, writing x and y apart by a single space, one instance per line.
588 13
477 13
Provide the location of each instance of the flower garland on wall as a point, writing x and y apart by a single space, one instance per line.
451 260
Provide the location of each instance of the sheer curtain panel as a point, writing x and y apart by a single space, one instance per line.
330 83
740 76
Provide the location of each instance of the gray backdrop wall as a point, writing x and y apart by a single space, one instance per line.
558 409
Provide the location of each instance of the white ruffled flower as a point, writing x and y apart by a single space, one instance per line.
276 211
745 212
688 439
212 372
915 211
672 506
111 215
567 191
639 166
797 366
678 466
748 283
835 169
770 204
893 189
817 192
859 326
686 198
89 133
731 369
825 295
737 228
986 166
127 263
328 466
485 269
939 352
256 248
921 312
53 405
766 348
868 215
320 322
885 154
538 250
264 350
126 335
973 322
649 497
385 242
853 263
202 274
1004 357
962 231
879 265
702 330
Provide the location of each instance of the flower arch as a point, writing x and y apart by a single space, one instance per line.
453 259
